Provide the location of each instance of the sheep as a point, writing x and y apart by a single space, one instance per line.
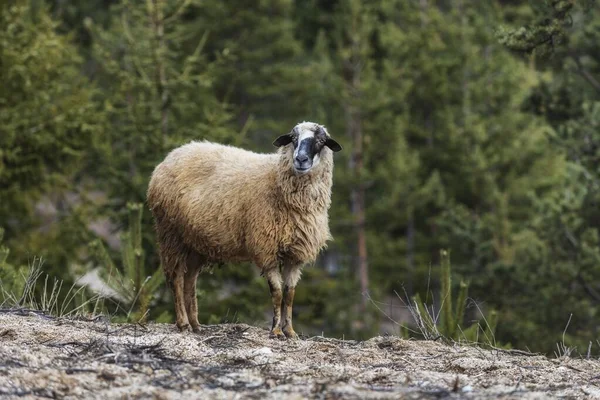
214 204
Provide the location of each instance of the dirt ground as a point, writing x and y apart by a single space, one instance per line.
45 357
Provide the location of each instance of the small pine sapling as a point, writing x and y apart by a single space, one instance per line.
448 322
134 285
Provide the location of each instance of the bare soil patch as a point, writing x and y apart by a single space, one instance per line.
45 357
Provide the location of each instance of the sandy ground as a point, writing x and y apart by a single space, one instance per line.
44 357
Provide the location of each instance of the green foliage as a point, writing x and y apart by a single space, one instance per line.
11 277
135 288
233 293
316 305
30 288
560 268
264 74
156 93
449 322
46 114
462 142
543 34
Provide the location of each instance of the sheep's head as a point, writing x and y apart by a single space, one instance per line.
308 139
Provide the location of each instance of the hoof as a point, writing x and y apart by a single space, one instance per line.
290 334
196 329
276 333
184 328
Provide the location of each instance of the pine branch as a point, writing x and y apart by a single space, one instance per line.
585 73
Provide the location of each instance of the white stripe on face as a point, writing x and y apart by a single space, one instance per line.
303 135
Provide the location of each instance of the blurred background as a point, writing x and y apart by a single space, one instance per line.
472 127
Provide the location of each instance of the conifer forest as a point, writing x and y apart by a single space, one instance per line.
466 199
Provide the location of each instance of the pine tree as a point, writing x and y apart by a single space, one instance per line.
481 162
565 266
355 25
264 75
375 173
155 94
454 137
47 125
44 105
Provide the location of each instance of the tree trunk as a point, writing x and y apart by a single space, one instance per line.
160 53
424 5
466 93
354 130
355 133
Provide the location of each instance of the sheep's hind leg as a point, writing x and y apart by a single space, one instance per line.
191 300
179 295
274 280
291 276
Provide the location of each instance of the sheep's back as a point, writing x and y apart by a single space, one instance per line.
203 192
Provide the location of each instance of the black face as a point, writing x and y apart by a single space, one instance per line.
306 151
308 140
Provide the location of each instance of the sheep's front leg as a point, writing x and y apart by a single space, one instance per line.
274 280
291 276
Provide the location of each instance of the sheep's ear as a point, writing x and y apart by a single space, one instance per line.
283 140
333 145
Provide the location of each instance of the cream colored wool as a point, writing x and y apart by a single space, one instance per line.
214 203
